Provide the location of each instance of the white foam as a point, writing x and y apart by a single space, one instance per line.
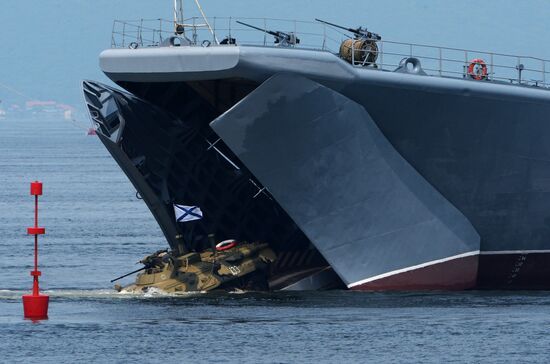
152 292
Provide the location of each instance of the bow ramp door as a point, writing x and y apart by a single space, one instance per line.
376 220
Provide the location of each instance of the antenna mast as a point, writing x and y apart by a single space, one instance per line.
179 25
178 11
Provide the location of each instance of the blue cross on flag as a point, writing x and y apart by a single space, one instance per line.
187 213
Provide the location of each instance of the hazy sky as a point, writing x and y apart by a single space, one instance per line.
49 46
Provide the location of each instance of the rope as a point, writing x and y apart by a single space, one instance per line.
9 88
206 21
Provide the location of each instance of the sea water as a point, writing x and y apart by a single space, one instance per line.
96 229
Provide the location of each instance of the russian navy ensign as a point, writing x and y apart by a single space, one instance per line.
187 213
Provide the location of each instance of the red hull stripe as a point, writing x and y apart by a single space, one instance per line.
455 272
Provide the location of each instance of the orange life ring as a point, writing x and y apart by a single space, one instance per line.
226 244
477 69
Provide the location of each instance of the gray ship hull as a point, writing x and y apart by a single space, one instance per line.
467 157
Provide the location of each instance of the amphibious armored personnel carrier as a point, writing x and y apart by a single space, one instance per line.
206 271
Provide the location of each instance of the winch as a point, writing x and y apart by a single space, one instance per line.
361 49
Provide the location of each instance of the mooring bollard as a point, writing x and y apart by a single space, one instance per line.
35 305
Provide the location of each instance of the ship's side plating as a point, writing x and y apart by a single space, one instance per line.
480 145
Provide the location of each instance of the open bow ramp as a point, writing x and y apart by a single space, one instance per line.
377 221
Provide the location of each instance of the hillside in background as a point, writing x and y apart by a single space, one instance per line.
49 46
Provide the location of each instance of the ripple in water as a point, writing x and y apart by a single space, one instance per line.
97 230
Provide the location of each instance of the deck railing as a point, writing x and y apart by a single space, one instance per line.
435 61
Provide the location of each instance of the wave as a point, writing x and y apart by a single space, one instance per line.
8 294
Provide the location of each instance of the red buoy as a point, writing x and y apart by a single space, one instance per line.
35 305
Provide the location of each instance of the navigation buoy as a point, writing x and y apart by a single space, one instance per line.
35 305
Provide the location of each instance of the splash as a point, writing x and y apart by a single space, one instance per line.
7 294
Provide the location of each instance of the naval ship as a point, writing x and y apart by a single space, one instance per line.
358 162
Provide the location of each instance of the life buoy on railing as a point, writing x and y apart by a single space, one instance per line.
477 69
226 244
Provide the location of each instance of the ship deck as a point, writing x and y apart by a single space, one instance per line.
437 61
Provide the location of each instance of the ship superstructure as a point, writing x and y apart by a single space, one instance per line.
376 164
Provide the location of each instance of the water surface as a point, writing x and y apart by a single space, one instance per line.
96 229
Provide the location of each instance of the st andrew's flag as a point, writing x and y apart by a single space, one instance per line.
187 213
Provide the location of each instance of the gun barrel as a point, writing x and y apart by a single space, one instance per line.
354 31
275 34
249 25
127 274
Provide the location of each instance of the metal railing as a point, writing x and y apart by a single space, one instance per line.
435 61
454 62
153 32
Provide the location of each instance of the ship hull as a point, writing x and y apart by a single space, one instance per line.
526 270
481 146
453 273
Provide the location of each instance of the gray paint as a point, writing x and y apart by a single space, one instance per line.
169 59
489 156
327 164
259 63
